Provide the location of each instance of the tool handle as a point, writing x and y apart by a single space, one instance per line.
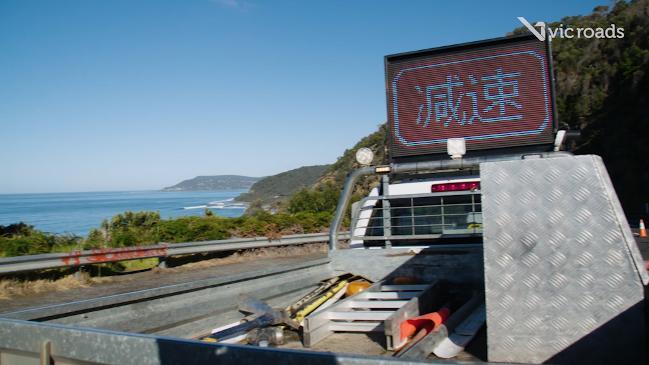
261 321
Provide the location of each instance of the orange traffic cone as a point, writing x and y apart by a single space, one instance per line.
643 230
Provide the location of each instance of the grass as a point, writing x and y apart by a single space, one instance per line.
10 288
138 265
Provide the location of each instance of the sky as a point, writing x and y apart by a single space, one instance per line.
99 95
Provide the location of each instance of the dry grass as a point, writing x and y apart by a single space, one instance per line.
10 288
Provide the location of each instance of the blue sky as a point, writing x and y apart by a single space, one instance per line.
134 94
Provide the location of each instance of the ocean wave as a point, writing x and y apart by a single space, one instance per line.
196 207
216 202
227 206
219 204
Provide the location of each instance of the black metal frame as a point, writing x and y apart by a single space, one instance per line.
470 46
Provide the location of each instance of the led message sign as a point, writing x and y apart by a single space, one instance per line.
495 94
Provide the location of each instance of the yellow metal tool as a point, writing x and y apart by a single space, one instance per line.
299 316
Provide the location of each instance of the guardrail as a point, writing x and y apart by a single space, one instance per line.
10 265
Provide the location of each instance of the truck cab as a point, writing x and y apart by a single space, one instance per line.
420 210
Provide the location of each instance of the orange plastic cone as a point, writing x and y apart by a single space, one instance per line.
643 230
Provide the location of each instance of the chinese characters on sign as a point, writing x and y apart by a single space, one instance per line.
492 97
444 103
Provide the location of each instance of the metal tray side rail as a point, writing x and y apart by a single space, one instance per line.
24 342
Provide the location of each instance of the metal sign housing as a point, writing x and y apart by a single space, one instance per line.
495 94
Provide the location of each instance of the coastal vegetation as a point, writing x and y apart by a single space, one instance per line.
272 190
602 86
146 228
22 239
143 228
337 172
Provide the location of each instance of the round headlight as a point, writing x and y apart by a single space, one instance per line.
364 156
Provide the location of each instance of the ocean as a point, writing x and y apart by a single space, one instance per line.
77 213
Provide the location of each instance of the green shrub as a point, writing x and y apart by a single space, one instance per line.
22 239
323 198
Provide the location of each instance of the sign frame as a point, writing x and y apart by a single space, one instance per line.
468 47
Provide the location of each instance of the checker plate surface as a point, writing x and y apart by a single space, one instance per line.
560 258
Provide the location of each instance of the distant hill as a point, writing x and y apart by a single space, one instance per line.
217 182
281 186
